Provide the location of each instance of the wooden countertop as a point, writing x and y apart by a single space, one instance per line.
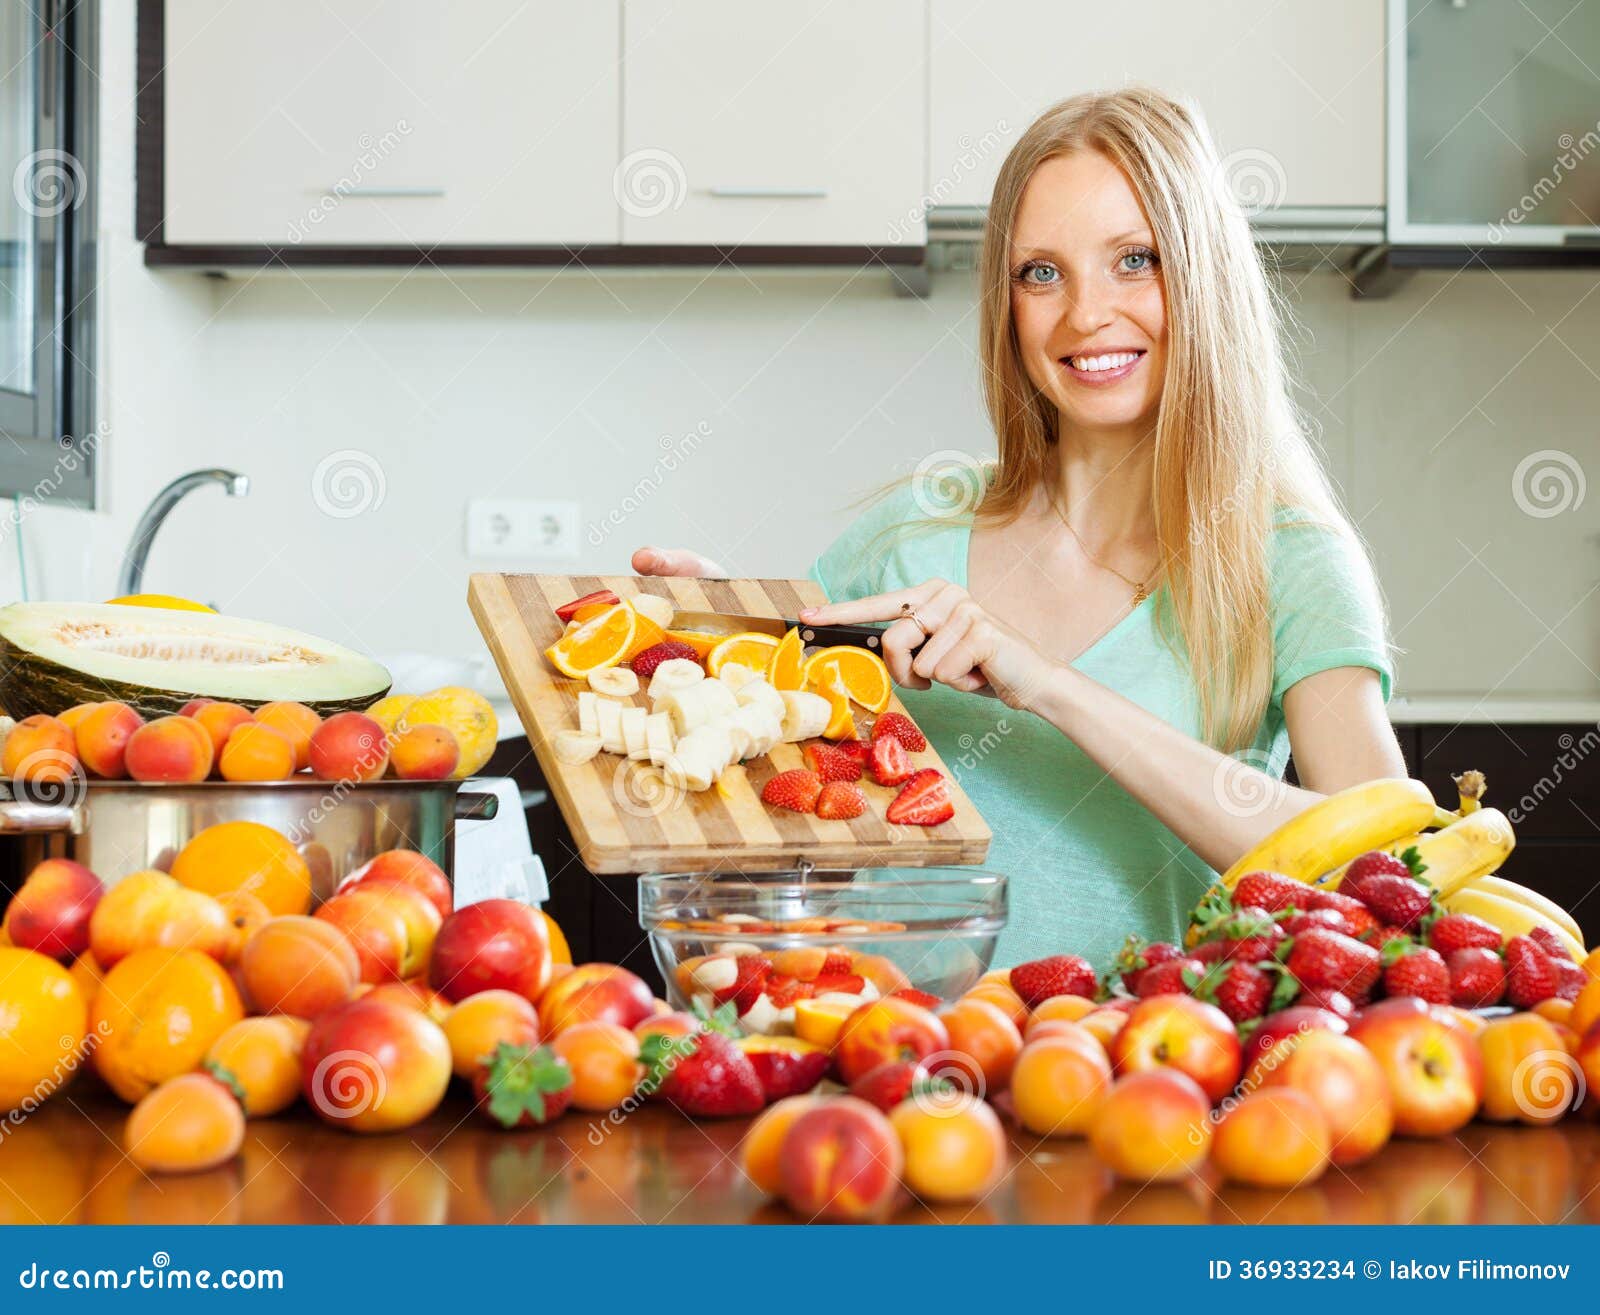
63 1164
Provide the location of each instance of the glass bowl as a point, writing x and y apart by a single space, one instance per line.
768 940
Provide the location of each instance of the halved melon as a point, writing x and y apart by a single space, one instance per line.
55 655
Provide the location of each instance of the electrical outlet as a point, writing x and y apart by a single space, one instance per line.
520 527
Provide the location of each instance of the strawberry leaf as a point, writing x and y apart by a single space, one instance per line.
1412 858
520 1079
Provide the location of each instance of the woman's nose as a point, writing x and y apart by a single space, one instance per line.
1088 309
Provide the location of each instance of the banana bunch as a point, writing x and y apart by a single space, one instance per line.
1516 911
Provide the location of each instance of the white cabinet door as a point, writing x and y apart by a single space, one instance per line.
391 122
750 121
1295 88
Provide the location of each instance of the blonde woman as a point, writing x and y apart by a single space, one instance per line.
1153 579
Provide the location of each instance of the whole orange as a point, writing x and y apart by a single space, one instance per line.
42 1020
250 857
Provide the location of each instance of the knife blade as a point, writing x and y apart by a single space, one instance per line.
730 623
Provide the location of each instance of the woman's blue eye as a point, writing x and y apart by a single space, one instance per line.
1137 262
1038 274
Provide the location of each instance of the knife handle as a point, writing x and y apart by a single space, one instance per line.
854 636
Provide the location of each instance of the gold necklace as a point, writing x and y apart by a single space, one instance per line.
1141 590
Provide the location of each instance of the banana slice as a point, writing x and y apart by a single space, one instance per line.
653 607
574 747
588 713
611 726
699 705
700 756
633 720
804 714
614 682
759 693
762 729
675 674
658 737
738 736
736 674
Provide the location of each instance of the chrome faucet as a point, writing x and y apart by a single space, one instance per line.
132 576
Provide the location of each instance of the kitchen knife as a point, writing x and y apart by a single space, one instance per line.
856 636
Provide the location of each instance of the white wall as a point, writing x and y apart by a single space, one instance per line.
813 389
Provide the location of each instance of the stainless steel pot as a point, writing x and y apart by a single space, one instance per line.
117 827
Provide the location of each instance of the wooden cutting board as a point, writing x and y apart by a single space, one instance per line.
621 818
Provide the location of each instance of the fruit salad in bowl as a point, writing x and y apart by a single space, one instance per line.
781 944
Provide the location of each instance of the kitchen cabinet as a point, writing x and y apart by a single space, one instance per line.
801 124
403 123
1296 90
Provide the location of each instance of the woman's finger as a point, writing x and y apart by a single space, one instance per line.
944 638
898 642
874 607
675 561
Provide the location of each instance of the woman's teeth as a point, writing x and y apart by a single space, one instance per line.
1115 361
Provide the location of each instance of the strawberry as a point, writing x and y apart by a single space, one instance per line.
830 762
522 1086
1251 934
841 800
836 962
860 750
889 762
705 1075
1135 956
1417 971
922 801
923 998
839 984
1330 919
1247 990
644 663
1477 977
1529 976
604 597
1357 916
1330 960
1269 890
750 979
1570 978
1399 901
1060 974
902 728
1551 943
783 1066
796 789
1169 977
783 991
1382 935
1460 931
1335 1002
1368 864
1210 951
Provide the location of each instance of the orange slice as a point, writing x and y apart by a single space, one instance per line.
748 647
645 631
788 659
865 678
829 682
702 641
821 1021
601 641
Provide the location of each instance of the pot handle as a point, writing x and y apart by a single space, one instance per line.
476 806
26 817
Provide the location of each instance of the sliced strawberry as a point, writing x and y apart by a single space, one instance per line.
902 728
924 998
749 981
644 664
830 762
860 750
604 597
847 983
890 764
923 800
796 789
784 991
840 801
836 962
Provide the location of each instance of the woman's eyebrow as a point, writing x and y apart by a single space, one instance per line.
1047 253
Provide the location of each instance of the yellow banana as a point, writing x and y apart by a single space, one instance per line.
1540 904
1334 830
1470 847
1470 785
1512 918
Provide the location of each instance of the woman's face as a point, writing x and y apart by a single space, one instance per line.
1086 294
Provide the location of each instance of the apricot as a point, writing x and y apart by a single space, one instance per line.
261 1058
1529 1076
148 910
1104 1024
188 1123
1070 1008
984 1044
101 736
253 752
1004 998
604 1059
245 913
40 749
299 965
954 1150
176 750
295 722
424 753
759 1151
840 1162
243 855
1153 1126
1586 1008
1555 1009
349 746
476 1025
1345 1082
219 720
1275 1137
1059 1082
76 713
413 993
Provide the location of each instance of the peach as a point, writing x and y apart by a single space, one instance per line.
595 992
101 736
295 722
955 1150
253 752
1340 1075
840 1162
1432 1065
75 714
424 753
299 965
1102 1024
349 746
40 749
261 1058
1059 1082
1275 1137
372 1066
376 927
495 944
1071 1008
887 1029
413 993
176 750
1178 1031
1588 1056
406 867
193 706
51 910
1586 1008
476 1025
984 1043
188 1123
417 911
219 720
759 1152
148 910
604 1059
1153 1125
1004 998
245 913
1528 1074
668 1023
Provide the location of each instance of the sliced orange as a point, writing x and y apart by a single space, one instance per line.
750 648
788 659
602 641
646 632
829 682
702 641
821 1021
865 678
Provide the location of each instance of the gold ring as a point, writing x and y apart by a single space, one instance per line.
910 613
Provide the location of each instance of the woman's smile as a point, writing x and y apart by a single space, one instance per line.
1102 367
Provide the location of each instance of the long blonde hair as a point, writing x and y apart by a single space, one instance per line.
1230 447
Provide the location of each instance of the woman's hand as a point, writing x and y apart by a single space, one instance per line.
676 561
957 643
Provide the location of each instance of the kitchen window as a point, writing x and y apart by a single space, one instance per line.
48 163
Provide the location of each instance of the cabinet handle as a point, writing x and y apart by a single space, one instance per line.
384 193
771 193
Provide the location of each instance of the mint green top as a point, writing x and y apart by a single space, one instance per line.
1087 864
